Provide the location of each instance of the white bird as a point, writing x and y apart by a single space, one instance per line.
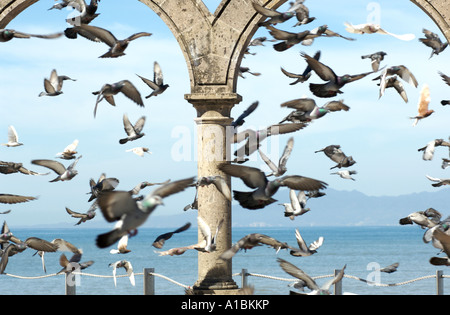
208 244
13 138
303 250
280 169
438 181
370 28
128 268
69 152
121 246
346 174
139 151
297 205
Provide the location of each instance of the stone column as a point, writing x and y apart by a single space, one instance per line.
213 117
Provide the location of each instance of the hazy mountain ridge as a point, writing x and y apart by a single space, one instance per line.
336 208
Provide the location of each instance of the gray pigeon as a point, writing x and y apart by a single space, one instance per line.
301 77
161 239
12 199
98 34
303 250
310 283
306 109
89 215
280 169
433 41
8 34
64 174
444 239
241 119
130 214
272 16
250 241
133 132
289 39
108 91
390 269
335 153
376 59
103 184
425 219
334 82
157 85
54 83
263 191
12 167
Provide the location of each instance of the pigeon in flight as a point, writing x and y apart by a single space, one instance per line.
157 85
425 219
13 138
69 151
250 241
243 70
263 191
310 283
98 34
322 31
376 59
64 174
297 204
438 181
272 16
89 215
54 83
128 268
139 151
8 34
335 153
301 13
280 169
334 82
422 108
370 28
433 41
306 109
289 39
161 239
446 79
12 167
241 119
444 240
108 91
402 71
428 150
120 207
391 268
346 174
121 246
13 199
392 82
304 250
300 78
133 132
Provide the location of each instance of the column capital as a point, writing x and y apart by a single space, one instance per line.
213 107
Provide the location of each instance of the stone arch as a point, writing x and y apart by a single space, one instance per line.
9 9
439 12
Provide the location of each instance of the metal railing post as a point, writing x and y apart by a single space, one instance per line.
337 285
439 282
70 283
244 278
149 281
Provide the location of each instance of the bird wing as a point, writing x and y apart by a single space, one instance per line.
205 230
12 134
298 182
97 34
301 243
398 86
429 151
295 202
128 127
130 272
139 125
173 187
264 11
444 239
65 246
336 279
303 104
71 147
433 179
158 77
149 82
137 35
316 244
251 176
279 34
407 75
247 112
298 273
41 245
280 129
286 153
222 186
323 71
48 86
123 242
75 214
114 204
273 167
405 37
335 106
53 165
130 91
12 199
74 163
445 78
424 100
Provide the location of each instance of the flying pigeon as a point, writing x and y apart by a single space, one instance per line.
272 16
54 83
13 138
370 28
13 199
8 34
98 34
433 41
108 91
121 246
428 150
128 268
69 151
346 174
241 119
307 110
280 169
263 191
301 77
335 153
289 39
89 215
133 132
422 108
297 204
376 59
12 167
161 239
157 85
64 174
304 250
139 151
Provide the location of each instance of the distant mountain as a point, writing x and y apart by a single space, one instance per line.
336 208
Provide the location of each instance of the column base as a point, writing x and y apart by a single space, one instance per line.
206 287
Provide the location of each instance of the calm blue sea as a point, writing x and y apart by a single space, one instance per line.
357 247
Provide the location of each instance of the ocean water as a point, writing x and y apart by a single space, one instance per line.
359 248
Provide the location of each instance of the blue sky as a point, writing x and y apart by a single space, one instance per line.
376 132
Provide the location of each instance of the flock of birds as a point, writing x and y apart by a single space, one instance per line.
129 209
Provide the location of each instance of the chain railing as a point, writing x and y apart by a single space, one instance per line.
149 280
